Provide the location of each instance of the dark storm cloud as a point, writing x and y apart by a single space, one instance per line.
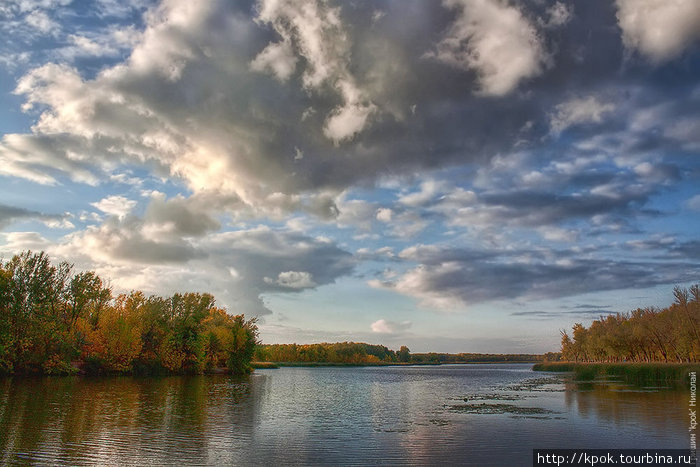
555 119
398 107
10 214
447 279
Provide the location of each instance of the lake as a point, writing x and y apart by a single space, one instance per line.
423 415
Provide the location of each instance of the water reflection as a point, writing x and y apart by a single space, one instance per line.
658 409
322 416
53 420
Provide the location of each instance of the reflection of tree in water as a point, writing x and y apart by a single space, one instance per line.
133 420
662 410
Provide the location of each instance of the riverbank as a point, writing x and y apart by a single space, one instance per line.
271 365
642 374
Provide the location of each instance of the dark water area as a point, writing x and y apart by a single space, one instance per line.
436 415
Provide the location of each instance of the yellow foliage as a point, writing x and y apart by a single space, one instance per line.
118 339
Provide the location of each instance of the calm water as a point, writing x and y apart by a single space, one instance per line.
390 415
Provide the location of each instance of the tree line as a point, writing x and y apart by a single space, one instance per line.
671 334
54 321
433 357
361 353
339 352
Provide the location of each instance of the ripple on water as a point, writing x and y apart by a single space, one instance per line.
299 416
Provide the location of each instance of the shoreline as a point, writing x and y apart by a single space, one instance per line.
274 365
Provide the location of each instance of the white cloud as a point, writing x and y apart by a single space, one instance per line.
384 214
115 205
694 203
238 267
557 234
345 122
41 21
315 31
559 14
277 58
577 111
494 39
356 213
429 189
383 326
17 242
293 280
660 29
419 283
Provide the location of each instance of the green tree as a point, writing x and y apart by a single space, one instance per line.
404 354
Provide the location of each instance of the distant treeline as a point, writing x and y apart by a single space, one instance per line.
340 352
649 334
480 357
53 321
360 353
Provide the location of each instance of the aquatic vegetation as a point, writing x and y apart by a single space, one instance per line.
547 384
492 409
493 397
638 374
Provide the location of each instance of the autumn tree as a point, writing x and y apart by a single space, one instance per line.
52 321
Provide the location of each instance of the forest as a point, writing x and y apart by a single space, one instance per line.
55 321
671 334
357 353
433 357
341 352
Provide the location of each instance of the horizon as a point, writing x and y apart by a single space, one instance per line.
458 177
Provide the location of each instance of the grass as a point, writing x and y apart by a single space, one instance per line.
641 374
263 365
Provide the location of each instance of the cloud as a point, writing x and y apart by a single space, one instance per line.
494 39
659 29
192 102
10 214
186 216
577 111
540 209
384 214
238 267
115 205
315 31
293 280
429 189
277 58
559 14
694 203
383 326
16 242
127 240
41 21
452 279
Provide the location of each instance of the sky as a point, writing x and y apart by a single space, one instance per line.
455 176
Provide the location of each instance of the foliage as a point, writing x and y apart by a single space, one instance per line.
433 357
643 335
339 352
641 374
54 322
353 353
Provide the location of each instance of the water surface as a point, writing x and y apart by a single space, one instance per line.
422 415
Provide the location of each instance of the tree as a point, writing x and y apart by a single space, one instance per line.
647 334
404 354
50 318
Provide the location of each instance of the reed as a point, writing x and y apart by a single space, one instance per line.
641 374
